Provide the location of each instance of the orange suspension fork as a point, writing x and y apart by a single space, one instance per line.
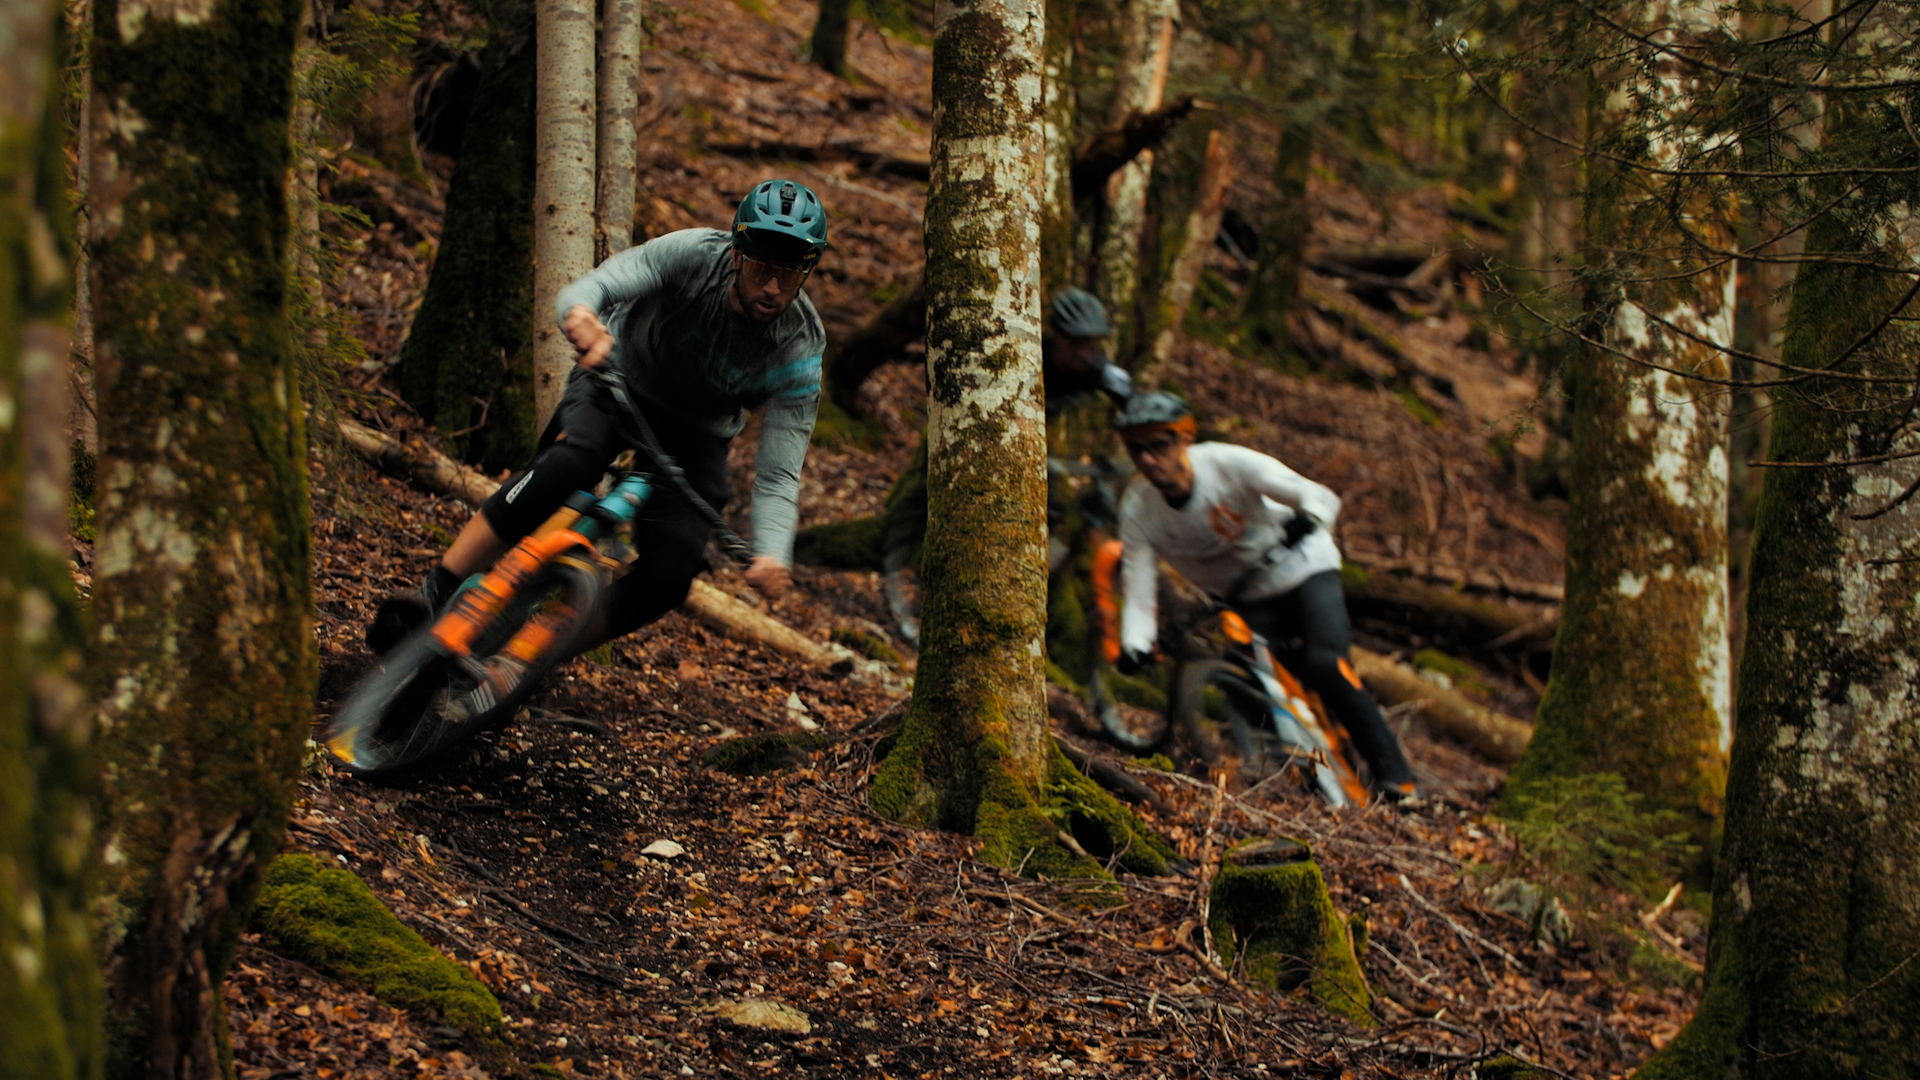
1106 605
478 606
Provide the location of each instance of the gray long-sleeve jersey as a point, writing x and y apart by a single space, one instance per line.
683 349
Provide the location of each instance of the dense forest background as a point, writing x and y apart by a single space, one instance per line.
1596 316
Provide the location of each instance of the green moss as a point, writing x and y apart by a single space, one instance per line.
1137 690
1505 1068
1459 671
872 646
1417 408
1270 910
763 755
1158 761
834 428
1099 823
842 545
329 920
1354 576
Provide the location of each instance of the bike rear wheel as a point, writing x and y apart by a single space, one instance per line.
424 699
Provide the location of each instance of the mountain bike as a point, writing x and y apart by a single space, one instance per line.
1276 725
473 666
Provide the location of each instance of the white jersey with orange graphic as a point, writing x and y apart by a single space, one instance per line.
1226 537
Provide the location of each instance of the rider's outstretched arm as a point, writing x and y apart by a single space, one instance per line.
785 429
637 273
1251 470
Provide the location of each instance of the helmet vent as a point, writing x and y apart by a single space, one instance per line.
788 196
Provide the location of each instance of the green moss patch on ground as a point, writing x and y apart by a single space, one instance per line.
764 755
329 920
1271 913
1099 822
870 645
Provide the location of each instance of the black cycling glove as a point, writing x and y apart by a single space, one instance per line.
1133 662
1296 529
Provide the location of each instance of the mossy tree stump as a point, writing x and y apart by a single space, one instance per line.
1270 910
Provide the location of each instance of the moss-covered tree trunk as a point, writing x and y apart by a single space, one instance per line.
1275 285
617 141
1811 968
1058 222
1142 82
563 184
1641 682
828 46
467 365
202 576
49 986
974 747
1192 240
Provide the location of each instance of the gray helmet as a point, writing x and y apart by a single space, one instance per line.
1079 313
782 222
1153 407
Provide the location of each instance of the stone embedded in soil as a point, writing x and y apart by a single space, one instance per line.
763 1014
663 849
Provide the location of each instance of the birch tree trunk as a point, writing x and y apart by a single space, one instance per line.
1641 682
562 185
1058 222
619 111
1148 50
1810 965
1203 224
202 582
49 986
974 744
467 365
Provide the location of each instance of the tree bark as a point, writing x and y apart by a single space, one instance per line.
562 185
1203 223
1810 961
1058 221
203 580
49 987
1116 273
617 140
78 28
1641 682
1275 285
974 745
467 365
828 46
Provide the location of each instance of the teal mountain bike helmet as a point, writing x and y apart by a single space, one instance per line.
1079 313
1143 410
781 222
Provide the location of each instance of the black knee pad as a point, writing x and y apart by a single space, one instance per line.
530 497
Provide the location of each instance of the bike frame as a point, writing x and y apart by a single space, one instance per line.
1295 720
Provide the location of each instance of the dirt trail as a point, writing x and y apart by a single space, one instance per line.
524 860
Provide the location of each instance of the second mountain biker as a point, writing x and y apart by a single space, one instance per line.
703 325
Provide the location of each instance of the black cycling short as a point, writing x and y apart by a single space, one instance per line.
670 536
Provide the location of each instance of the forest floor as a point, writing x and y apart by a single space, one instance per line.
893 952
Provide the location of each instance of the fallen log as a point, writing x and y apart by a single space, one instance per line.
1495 736
1452 613
435 472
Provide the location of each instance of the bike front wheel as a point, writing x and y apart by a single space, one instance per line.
424 698
1215 698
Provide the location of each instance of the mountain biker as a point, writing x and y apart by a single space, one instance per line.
1072 365
1256 536
703 325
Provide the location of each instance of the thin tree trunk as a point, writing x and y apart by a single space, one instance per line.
1203 224
202 578
1275 285
1811 967
49 985
1641 682
828 46
467 365
1148 51
79 31
974 746
562 185
1058 221
617 140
